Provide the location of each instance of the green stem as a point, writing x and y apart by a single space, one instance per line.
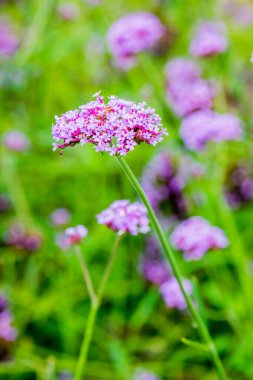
203 331
86 275
82 360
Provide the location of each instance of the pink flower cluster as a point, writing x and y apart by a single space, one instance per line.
9 42
68 11
123 216
186 91
16 141
156 271
74 235
116 127
206 125
210 39
131 35
7 331
173 295
60 216
17 236
152 265
144 375
163 185
195 236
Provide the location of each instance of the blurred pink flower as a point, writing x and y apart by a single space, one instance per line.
198 128
75 234
173 295
210 39
17 236
68 11
133 34
186 91
16 141
60 216
141 374
123 216
195 236
7 331
9 42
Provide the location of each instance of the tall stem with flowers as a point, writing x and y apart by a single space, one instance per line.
117 128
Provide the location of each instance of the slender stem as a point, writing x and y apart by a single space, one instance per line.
80 369
86 275
108 269
203 331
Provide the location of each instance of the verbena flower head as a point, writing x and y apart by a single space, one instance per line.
141 374
68 11
195 236
9 42
185 98
186 91
206 125
7 331
123 216
173 295
74 235
22 239
132 34
152 265
182 70
16 141
210 39
115 127
60 216
163 186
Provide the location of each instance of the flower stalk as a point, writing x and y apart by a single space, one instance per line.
96 300
169 254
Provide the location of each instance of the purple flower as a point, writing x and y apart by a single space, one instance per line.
239 185
195 236
7 332
123 216
60 216
16 141
132 34
203 126
210 39
251 57
186 91
182 70
152 265
173 295
241 13
185 98
68 11
116 127
17 236
75 234
141 374
9 42
163 187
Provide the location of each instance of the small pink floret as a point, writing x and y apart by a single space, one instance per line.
123 216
